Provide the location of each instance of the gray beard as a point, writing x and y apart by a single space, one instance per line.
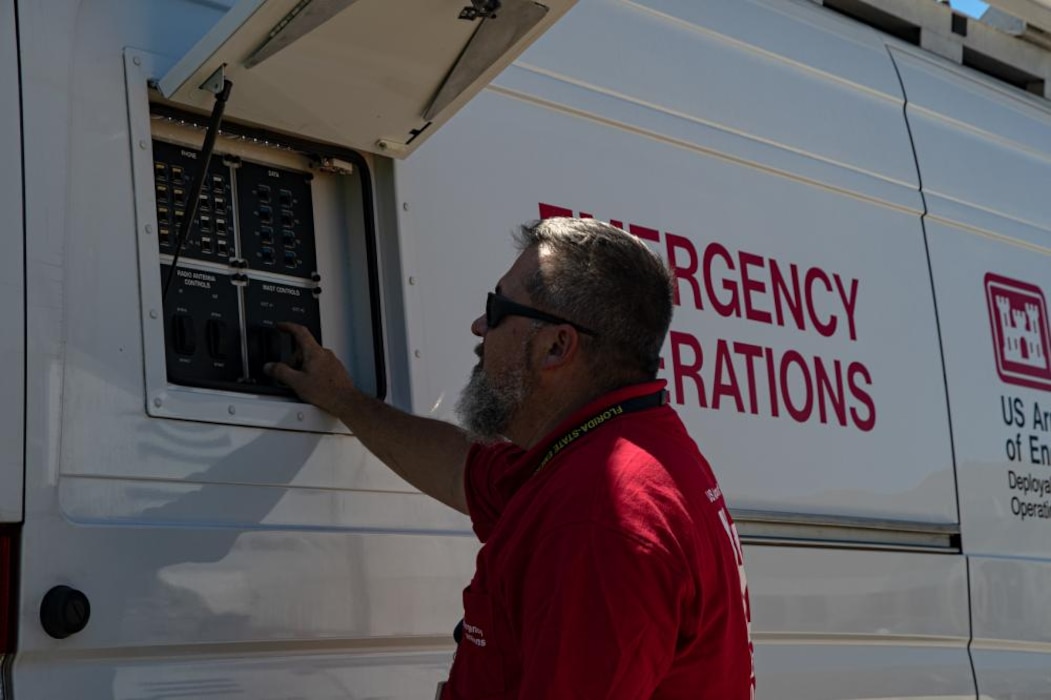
485 406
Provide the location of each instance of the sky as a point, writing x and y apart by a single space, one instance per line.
969 7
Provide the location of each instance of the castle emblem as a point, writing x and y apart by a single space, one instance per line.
1021 342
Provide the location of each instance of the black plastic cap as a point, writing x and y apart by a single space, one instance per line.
64 612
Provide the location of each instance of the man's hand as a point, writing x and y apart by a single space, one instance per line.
429 454
321 380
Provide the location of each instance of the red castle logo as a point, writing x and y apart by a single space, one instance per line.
1018 317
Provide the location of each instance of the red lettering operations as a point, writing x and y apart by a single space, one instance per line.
747 377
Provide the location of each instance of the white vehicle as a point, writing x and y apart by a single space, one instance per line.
861 228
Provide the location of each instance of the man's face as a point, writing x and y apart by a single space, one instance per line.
505 375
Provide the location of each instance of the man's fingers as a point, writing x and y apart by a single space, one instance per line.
313 372
282 373
302 334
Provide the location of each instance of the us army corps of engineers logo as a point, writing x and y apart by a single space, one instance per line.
1018 320
1018 316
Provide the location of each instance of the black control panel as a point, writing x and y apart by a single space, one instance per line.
265 303
212 236
248 263
202 332
277 219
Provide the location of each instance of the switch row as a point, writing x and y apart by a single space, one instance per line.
184 337
266 237
264 193
264 344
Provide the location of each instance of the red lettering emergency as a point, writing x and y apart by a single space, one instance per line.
751 378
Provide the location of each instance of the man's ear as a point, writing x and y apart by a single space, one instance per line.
560 344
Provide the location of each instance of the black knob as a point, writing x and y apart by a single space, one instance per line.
64 611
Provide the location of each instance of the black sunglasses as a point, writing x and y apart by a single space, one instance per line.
497 307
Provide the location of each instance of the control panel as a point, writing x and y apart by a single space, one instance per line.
247 262
174 168
278 220
274 222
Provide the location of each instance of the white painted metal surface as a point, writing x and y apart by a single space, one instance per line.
1012 627
985 160
12 295
726 206
831 624
252 547
989 256
224 558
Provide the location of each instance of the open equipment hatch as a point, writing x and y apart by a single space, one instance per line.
374 75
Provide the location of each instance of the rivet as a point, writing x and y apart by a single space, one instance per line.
412 280
157 402
149 228
418 354
301 416
405 206
137 61
232 410
143 144
153 313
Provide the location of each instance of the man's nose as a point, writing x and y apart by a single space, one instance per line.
478 327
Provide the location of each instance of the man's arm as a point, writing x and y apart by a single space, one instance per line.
429 454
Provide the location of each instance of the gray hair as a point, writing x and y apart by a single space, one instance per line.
609 281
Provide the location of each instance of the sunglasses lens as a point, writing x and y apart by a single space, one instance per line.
492 313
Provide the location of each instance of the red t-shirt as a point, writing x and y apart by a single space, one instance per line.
613 572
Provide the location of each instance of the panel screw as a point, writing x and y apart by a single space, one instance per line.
158 402
149 228
153 313
232 410
405 206
418 354
301 416
137 61
143 144
412 280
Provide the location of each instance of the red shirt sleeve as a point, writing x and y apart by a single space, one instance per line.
599 618
492 475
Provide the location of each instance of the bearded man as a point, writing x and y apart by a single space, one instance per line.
610 567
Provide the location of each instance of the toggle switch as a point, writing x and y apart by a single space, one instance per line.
267 344
215 335
184 336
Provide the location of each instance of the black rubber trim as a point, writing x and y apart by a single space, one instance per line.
25 261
